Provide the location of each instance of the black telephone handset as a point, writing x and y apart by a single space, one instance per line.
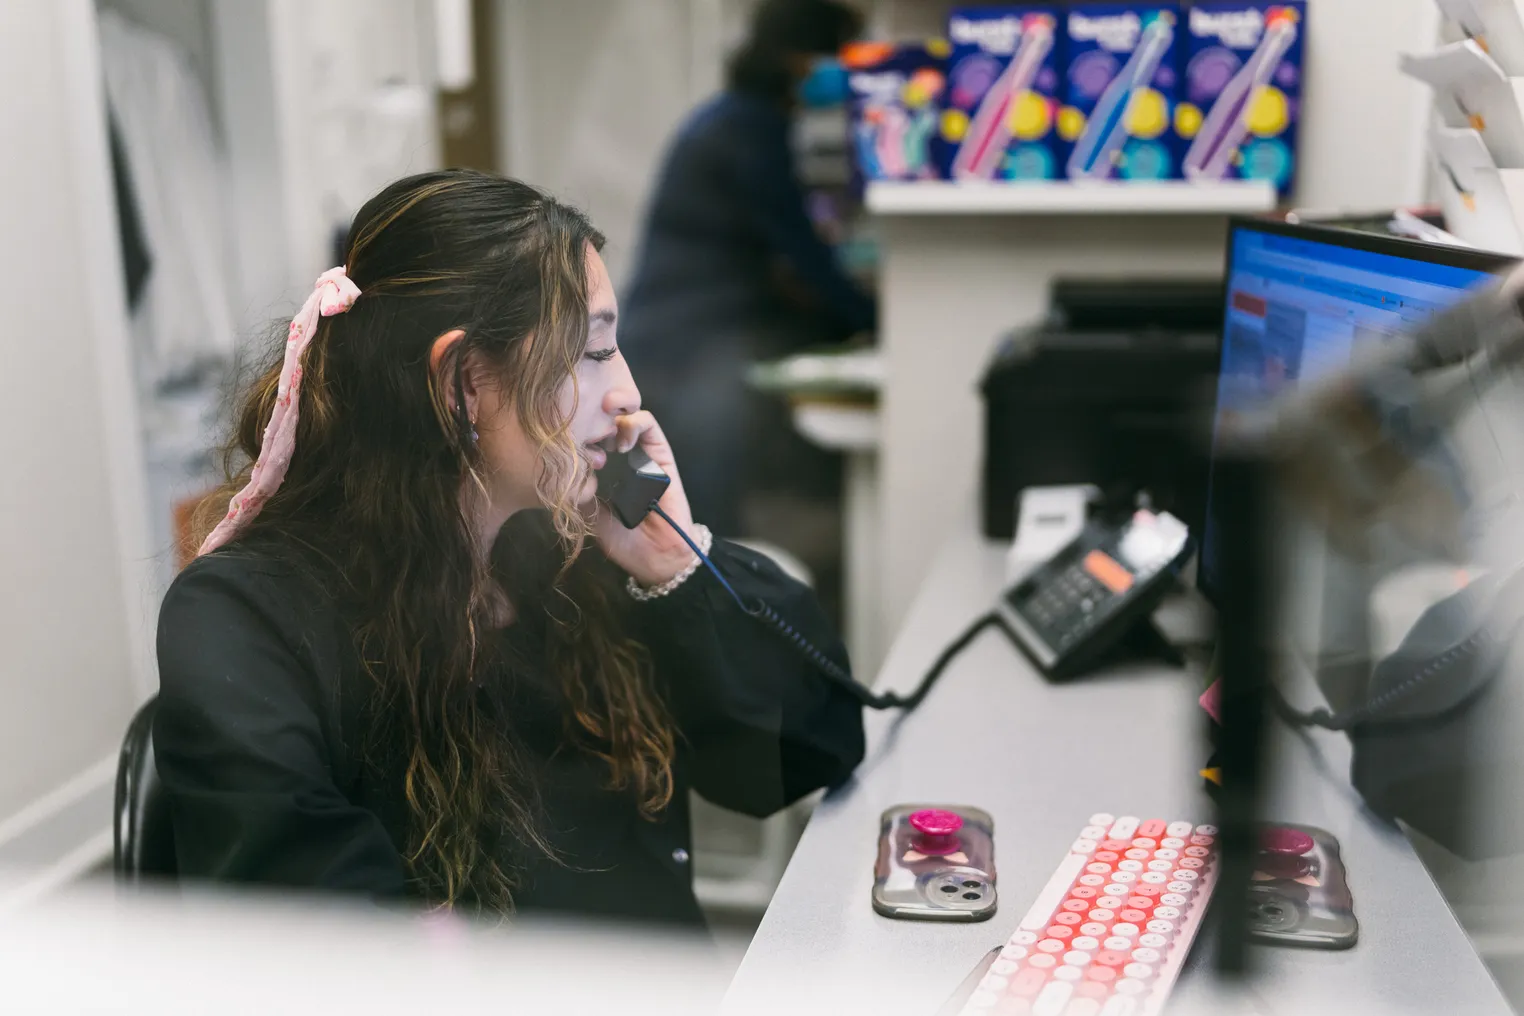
1099 590
631 483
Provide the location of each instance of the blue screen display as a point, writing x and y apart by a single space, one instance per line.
1297 309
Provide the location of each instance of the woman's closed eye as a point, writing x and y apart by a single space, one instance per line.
602 355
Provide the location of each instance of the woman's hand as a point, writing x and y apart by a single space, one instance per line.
651 553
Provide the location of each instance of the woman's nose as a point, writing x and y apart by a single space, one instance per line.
622 398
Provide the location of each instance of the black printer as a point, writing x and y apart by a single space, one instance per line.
1115 388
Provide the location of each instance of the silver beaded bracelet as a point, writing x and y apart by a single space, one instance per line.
704 539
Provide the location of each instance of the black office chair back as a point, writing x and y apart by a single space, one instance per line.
143 836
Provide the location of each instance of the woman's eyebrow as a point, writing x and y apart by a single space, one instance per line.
602 317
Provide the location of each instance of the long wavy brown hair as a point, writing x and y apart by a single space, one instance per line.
378 489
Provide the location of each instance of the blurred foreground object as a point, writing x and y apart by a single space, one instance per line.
195 954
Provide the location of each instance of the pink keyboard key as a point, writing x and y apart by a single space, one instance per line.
1153 827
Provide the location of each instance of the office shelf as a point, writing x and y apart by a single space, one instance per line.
1167 197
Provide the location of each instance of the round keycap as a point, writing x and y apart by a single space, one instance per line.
1193 863
1058 931
993 982
1109 856
1116 845
1165 854
1179 888
1064 973
1117 943
1152 827
1145 842
1130 986
1101 972
1146 955
1005 968
1077 958
1183 875
1084 892
1124 877
1024 938
1133 916
1102 818
1101 915
1124 930
1140 903
1172 843
1154 878
1147 886
1085 943
1093 880
1014 953
1082 846
1110 958
1162 866
1206 830
1137 854
1159 927
1142 971
1197 852
1068 917
1174 899
1093 832
1114 889
1153 940
1202 841
1076 906
1178 829
1052 945
1129 865
1098 868
1166 913
1043 961
1094 929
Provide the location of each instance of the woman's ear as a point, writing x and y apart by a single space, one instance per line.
437 355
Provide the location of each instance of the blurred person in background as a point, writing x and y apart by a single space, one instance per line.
731 269
416 658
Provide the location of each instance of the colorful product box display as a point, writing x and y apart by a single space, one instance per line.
1242 90
1001 101
1119 91
895 104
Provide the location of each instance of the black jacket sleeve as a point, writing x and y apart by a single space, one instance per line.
763 725
242 746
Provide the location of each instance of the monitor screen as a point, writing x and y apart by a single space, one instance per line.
1300 302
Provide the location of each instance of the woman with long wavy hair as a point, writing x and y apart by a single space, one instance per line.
415 657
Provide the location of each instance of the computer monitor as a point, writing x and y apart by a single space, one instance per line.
1299 301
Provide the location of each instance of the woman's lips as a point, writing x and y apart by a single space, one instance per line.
596 456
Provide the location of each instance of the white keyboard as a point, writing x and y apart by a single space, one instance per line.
1111 930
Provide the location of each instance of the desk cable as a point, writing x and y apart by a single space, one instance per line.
837 674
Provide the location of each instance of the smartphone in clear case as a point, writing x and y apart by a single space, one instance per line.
935 863
1299 894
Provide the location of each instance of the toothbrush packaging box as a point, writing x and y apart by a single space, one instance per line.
1000 109
895 95
1241 92
1120 90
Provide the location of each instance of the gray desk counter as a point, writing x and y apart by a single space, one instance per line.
1042 758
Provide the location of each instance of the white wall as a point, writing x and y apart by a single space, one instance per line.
591 92
74 655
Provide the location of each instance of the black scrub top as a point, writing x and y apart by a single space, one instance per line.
258 735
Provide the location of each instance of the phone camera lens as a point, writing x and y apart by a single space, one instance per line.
949 888
970 896
971 885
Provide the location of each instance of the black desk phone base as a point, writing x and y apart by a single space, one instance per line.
1097 595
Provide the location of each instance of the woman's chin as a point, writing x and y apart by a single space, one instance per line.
588 493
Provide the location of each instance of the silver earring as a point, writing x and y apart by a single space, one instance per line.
473 432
